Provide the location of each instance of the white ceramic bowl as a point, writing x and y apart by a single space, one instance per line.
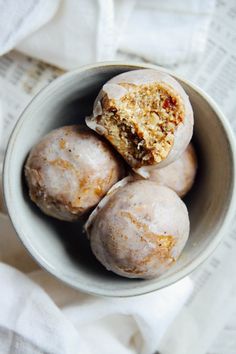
60 247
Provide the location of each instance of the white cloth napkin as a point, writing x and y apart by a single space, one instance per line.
38 314
18 19
30 322
70 33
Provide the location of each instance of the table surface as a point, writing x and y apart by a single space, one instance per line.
225 342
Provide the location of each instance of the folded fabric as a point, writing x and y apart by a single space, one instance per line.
18 19
168 32
62 320
70 33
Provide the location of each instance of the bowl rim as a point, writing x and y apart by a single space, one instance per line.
135 290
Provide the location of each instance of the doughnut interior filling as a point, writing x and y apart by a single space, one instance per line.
142 123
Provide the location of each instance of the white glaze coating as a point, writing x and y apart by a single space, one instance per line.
139 229
113 90
179 175
70 170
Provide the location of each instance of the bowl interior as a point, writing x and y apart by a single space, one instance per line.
61 247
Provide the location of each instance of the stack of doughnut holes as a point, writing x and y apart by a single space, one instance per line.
123 173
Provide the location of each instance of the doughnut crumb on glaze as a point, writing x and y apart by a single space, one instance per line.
179 175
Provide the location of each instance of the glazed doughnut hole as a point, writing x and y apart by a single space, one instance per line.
139 229
69 171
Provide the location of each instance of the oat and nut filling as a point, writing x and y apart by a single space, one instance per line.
142 123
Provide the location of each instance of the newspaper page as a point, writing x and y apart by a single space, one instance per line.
216 74
212 302
21 77
210 305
